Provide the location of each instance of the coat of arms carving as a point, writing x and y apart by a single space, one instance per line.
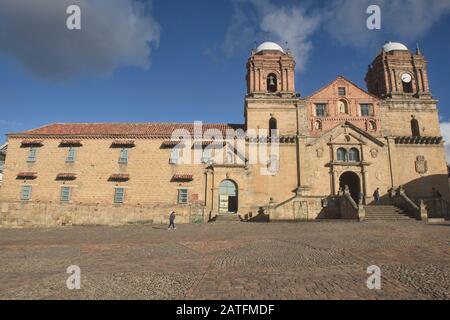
421 165
374 153
319 153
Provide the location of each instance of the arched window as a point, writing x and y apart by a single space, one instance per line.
272 83
415 128
371 125
353 155
341 154
342 107
273 127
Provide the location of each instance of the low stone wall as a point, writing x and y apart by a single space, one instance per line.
30 214
305 208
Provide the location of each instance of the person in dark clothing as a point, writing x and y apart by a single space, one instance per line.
376 196
436 193
172 220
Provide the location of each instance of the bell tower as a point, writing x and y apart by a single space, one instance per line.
271 101
270 71
398 73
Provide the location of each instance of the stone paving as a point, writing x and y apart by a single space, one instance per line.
319 260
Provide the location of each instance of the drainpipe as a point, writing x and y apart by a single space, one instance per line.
390 162
297 140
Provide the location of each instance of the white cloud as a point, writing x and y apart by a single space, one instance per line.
344 20
114 33
445 130
262 20
405 20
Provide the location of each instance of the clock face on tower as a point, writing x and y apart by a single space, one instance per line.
406 77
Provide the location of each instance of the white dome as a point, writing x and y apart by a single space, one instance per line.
269 46
391 46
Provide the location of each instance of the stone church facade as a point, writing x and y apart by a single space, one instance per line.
334 148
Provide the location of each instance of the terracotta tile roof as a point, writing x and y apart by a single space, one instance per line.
27 175
119 177
206 143
32 143
123 129
418 140
66 176
182 177
70 143
171 144
123 143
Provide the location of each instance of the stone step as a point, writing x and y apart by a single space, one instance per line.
383 210
227 217
371 219
387 213
388 218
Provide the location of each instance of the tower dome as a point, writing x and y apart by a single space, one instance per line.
391 46
269 46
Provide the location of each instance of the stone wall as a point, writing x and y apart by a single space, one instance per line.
32 214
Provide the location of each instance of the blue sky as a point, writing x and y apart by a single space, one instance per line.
185 60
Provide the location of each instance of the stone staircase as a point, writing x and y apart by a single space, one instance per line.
386 213
227 217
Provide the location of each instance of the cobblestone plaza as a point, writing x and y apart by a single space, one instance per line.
319 260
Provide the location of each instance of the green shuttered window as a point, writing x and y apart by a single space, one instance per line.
25 193
119 195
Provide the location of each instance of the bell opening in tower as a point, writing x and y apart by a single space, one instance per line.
272 83
407 87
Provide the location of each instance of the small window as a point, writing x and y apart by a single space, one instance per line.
71 155
366 110
342 154
119 195
123 158
342 91
65 194
174 156
206 157
182 196
321 110
415 127
273 127
32 155
353 155
25 193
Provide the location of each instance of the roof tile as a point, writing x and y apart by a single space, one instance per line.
146 129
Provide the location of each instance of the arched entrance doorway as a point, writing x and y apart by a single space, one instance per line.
353 182
228 197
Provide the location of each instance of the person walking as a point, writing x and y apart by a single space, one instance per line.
172 220
376 196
